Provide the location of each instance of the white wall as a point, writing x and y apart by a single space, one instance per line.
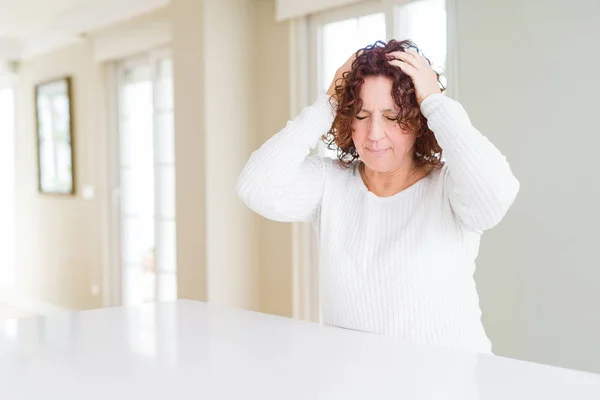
527 77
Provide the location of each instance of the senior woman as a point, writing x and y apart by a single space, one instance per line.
398 225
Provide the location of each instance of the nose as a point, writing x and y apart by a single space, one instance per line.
375 131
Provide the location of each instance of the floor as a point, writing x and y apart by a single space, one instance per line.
10 312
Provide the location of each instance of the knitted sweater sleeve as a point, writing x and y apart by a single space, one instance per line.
281 181
479 182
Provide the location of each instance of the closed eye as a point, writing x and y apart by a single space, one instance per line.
391 119
360 118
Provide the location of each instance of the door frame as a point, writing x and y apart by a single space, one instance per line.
113 271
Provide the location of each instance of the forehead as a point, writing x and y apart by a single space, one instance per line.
376 93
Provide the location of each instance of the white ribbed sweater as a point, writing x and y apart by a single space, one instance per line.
401 265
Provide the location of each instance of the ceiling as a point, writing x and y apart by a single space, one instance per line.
32 27
29 17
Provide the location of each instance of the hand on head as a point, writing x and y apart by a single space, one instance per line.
410 62
418 68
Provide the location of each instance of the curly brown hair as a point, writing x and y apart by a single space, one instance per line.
373 61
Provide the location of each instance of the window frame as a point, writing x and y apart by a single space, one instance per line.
388 7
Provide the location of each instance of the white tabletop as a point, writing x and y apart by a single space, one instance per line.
193 350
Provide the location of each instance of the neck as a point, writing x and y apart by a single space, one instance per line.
389 183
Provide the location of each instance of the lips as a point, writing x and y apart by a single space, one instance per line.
377 151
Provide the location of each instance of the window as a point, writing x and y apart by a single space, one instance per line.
335 37
424 22
147 180
342 38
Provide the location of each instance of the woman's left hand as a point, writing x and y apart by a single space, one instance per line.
417 67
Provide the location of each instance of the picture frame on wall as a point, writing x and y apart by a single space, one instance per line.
54 130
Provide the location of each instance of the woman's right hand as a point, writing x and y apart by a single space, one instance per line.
339 74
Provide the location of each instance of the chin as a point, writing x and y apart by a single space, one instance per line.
378 164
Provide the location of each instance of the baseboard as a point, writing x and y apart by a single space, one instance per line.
10 297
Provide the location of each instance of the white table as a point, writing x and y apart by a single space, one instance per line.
190 350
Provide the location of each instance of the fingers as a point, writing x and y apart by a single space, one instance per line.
425 63
411 57
407 62
420 58
405 67
405 57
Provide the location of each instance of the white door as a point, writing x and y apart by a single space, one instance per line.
145 181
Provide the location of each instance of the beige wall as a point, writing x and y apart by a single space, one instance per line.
273 110
190 147
231 94
524 75
60 240
215 125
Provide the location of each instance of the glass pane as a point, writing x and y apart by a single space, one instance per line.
167 287
137 158
370 28
137 192
339 40
139 286
136 141
142 146
137 91
138 240
167 250
164 85
166 191
165 150
164 94
165 68
342 38
424 22
126 141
